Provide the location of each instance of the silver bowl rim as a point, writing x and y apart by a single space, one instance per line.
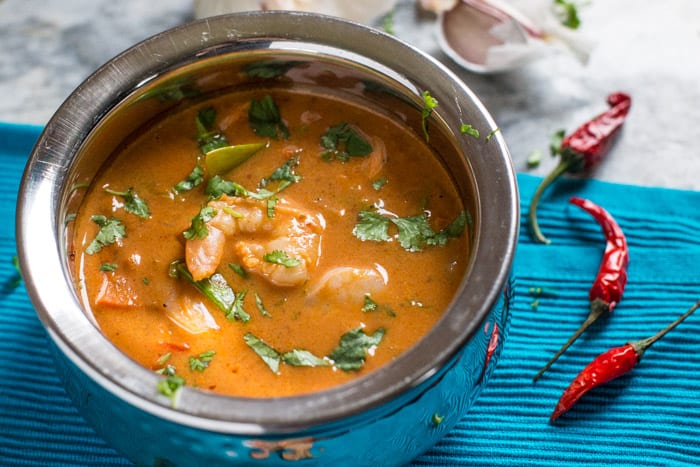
42 259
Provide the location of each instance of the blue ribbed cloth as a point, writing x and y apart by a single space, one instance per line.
649 417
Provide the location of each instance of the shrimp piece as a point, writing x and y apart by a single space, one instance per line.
291 230
297 235
347 285
191 315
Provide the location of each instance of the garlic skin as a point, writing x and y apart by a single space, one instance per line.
362 11
489 36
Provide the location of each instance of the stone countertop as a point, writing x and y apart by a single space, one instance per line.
649 51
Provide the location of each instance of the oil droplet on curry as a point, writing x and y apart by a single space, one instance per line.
270 243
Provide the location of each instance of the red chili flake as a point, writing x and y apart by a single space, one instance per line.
582 150
610 365
609 284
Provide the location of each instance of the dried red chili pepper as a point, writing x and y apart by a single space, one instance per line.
610 365
582 150
609 284
490 349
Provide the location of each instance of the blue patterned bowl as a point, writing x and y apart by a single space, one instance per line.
387 417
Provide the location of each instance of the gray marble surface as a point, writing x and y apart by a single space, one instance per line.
649 49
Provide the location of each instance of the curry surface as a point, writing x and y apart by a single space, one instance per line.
419 285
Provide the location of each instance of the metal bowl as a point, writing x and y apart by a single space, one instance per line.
387 417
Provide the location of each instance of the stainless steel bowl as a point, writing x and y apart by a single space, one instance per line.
387 417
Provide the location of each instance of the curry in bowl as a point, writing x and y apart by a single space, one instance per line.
269 242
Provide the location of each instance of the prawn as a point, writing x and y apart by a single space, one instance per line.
245 221
348 285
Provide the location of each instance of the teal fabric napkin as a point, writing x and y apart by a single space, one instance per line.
649 417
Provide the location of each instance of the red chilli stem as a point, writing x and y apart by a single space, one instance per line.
561 168
641 346
598 309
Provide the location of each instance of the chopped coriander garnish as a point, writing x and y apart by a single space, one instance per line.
201 361
372 226
351 352
217 186
146 281
261 307
193 179
270 206
111 230
388 22
172 383
429 104
379 183
567 13
208 138
491 134
236 311
555 142
238 269
108 267
299 357
284 174
198 228
534 158
467 129
132 202
216 289
268 355
414 232
282 258
342 142
437 419
265 119
369 305
164 358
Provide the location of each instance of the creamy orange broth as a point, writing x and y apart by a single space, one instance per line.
419 285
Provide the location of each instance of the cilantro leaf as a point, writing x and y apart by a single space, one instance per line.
132 202
429 104
492 133
193 179
534 158
270 206
268 355
300 357
236 310
342 142
567 13
261 307
171 384
379 183
198 228
238 269
466 129
372 226
453 230
351 352
370 305
218 186
284 174
413 231
282 258
111 230
216 289
208 138
108 267
265 119
201 361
